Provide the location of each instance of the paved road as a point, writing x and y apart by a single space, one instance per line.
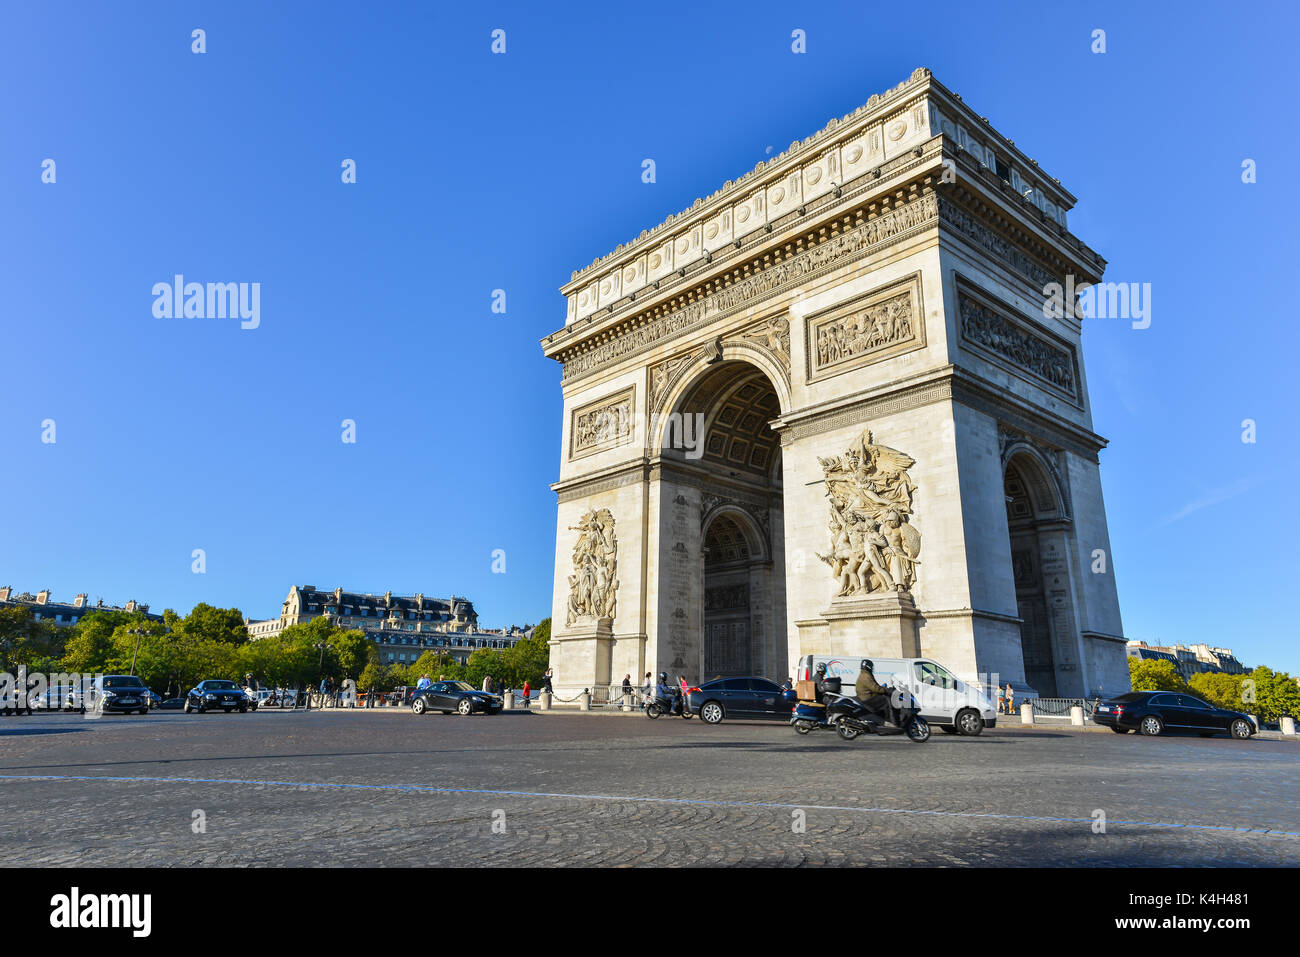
343 789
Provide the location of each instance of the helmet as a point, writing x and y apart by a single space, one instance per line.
866 665
821 668
663 676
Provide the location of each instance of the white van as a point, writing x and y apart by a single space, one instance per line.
945 699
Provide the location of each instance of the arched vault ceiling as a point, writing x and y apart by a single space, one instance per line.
738 402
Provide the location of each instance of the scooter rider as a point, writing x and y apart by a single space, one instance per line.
665 691
819 683
873 695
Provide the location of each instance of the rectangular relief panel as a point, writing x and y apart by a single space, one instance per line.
996 331
878 325
604 424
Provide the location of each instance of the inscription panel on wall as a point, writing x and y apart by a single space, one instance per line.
878 325
988 329
603 424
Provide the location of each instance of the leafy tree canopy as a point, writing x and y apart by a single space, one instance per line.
1149 674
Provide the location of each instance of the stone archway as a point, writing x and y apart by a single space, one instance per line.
1039 530
725 606
735 568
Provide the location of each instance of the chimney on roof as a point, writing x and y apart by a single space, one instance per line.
43 596
80 601
5 592
131 605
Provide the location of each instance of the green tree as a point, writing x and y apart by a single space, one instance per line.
1274 694
1155 674
26 641
1220 690
205 622
377 677
350 651
527 660
434 664
483 662
91 649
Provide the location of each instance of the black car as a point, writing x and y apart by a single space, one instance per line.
449 696
740 698
1155 712
125 693
216 693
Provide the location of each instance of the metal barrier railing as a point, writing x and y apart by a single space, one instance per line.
1060 707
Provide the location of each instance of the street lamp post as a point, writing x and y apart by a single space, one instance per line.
139 633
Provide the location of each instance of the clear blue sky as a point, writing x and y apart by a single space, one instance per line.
478 172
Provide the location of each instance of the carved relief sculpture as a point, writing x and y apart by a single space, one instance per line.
874 546
865 330
774 336
998 334
603 424
593 586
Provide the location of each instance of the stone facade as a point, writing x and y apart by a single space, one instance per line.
857 328
65 614
401 626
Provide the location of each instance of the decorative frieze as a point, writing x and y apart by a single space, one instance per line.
880 324
950 214
992 331
784 274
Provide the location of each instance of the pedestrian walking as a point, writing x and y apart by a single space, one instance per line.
1011 699
487 683
527 688
1002 701
627 689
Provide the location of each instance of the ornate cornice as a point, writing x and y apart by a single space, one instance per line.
629 474
776 272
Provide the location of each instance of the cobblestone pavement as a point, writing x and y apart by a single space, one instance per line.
344 789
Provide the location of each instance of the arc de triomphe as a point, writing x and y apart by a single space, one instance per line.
823 411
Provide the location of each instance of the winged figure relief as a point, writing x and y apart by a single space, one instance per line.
874 546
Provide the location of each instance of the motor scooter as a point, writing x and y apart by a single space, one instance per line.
674 706
848 717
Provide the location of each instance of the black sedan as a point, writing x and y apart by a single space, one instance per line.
449 696
740 698
125 693
1155 712
216 693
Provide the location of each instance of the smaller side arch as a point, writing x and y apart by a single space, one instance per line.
1040 478
759 548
